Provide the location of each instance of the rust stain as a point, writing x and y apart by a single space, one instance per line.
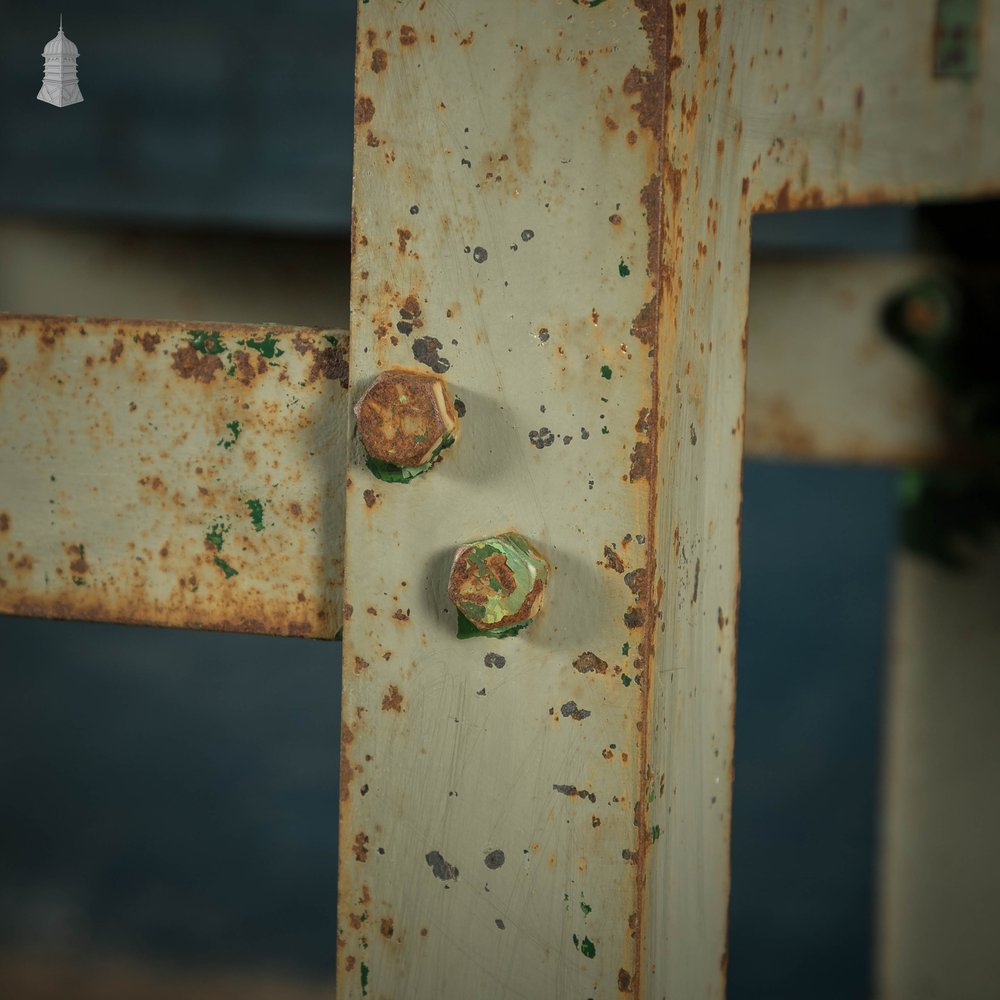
612 560
407 35
149 341
364 110
380 60
590 663
4 522
702 32
360 848
3 367
392 700
116 350
369 496
386 927
190 363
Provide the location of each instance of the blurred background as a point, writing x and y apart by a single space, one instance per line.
168 800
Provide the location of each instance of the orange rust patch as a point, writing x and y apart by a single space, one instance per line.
189 363
641 462
403 236
702 31
247 367
150 341
386 927
590 663
373 140
116 350
370 498
364 110
400 615
360 665
612 560
624 979
79 564
4 367
380 60
407 35
360 848
392 700
4 522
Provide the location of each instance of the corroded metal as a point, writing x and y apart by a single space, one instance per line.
172 474
497 585
405 420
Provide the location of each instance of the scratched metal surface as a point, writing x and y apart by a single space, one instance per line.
147 479
503 182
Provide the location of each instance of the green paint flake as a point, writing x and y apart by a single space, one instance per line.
235 430
79 581
623 268
216 535
364 979
390 473
256 514
579 3
206 341
604 430
586 909
624 649
626 680
268 347
585 947
332 341
225 567
656 834
606 372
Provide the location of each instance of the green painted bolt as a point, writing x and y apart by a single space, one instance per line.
405 420
497 585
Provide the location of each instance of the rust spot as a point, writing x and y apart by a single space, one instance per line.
404 235
392 700
407 35
859 98
624 979
380 60
400 615
150 341
615 219
346 769
330 363
4 367
634 618
79 564
369 496
636 581
702 31
590 663
783 202
373 140
348 611
360 665
612 560
595 821
364 110
189 363
610 124
4 522
116 350
360 848
247 367
386 927
644 325
641 462
745 186
631 137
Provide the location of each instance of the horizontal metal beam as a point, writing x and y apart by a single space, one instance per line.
124 413
167 474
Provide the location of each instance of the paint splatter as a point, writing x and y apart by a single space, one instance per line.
623 268
606 372
235 430
256 514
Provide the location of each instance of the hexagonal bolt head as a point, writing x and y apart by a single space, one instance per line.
497 585
405 420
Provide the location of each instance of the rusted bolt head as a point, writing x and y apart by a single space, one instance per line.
405 420
497 584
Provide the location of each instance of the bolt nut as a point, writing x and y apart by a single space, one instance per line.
405 420
497 585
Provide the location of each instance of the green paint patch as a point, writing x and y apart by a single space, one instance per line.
332 341
586 947
256 514
580 3
79 581
586 909
606 372
216 536
235 430
390 473
623 268
364 979
206 341
466 630
268 347
656 834
624 649
626 680
225 567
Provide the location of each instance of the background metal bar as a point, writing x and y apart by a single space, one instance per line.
172 474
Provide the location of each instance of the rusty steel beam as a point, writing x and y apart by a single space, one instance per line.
172 474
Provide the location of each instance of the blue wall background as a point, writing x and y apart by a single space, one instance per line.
173 794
